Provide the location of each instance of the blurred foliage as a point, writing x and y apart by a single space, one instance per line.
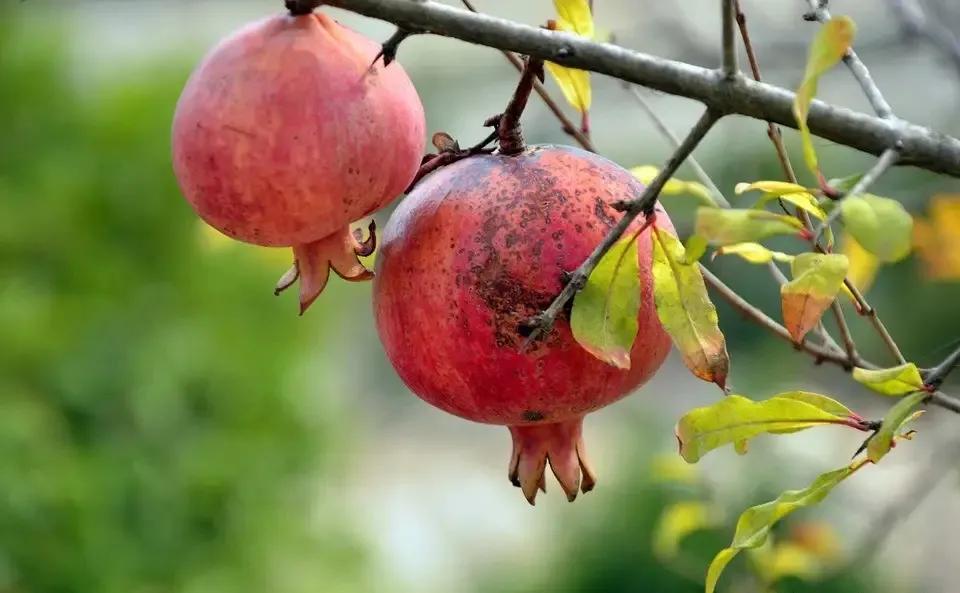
154 435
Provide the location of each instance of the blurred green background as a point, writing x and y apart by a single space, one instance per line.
168 425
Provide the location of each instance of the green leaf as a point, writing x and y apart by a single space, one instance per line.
674 187
755 523
771 188
880 225
695 248
754 253
896 381
729 226
822 402
685 310
817 279
604 316
677 521
736 418
901 413
803 200
845 184
832 42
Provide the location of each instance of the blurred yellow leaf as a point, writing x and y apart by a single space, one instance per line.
786 559
817 279
754 253
674 187
881 225
896 381
863 264
818 537
685 310
832 42
670 468
754 524
803 200
574 16
604 315
726 226
937 238
736 419
775 188
677 521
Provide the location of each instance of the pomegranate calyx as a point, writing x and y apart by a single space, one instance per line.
338 252
559 444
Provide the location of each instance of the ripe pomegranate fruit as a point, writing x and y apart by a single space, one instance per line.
288 131
475 249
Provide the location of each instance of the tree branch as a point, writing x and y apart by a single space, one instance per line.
922 147
729 54
938 375
643 204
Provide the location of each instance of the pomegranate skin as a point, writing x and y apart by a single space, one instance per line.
478 247
285 134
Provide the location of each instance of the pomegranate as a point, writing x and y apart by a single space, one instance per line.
288 131
474 250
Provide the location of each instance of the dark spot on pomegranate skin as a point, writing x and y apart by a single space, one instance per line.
600 210
509 301
532 416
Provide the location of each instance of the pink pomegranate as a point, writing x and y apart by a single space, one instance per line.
477 248
287 132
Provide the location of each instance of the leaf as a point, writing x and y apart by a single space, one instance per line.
695 248
754 253
822 402
754 524
685 310
574 16
786 559
729 226
736 418
896 381
937 238
845 184
832 42
863 264
897 416
817 278
677 521
803 200
674 187
574 84
772 188
881 225
604 315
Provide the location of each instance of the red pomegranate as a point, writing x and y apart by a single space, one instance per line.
287 132
477 248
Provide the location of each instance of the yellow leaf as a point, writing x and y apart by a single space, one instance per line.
685 310
863 264
677 521
674 187
775 188
803 200
896 381
574 16
817 279
726 226
788 559
832 42
574 84
937 238
754 253
902 412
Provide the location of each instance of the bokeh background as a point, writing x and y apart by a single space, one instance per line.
168 425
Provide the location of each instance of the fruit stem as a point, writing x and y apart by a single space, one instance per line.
508 131
301 7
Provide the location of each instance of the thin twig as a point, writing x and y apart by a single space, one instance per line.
568 126
886 160
923 147
729 53
643 204
674 142
915 23
938 375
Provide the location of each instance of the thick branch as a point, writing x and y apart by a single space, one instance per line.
922 147
938 375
